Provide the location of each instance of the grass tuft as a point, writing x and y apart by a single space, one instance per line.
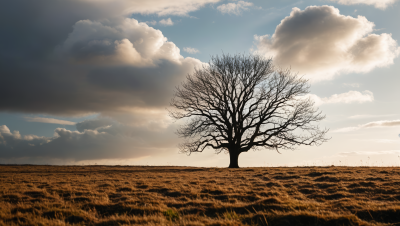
171 215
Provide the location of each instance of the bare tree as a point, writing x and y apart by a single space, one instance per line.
238 103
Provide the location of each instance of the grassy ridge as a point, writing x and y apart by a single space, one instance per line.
105 195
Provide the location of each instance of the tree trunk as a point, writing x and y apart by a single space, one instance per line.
234 159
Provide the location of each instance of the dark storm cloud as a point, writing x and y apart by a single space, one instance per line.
33 28
77 57
81 89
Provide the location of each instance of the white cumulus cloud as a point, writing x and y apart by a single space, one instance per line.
125 42
321 43
381 4
234 8
166 22
191 50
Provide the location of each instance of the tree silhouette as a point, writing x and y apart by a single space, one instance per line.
241 102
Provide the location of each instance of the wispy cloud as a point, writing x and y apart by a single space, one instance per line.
159 7
354 85
346 98
380 4
166 22
369 125
382 124
49 120
234 8
191 50
368 116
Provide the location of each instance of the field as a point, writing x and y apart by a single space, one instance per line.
117 195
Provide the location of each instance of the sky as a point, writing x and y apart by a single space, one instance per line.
90 81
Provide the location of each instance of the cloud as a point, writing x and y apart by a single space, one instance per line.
368 116
153 22
94 124
382 124
346 98
105 65
321 43
369 125
90 61
159 7
166 22
191 50
380 4
30 34
162 7
115 141
234 8
354 85
11 140
49 120
94 60
125 42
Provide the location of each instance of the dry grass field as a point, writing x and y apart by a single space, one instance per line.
105 195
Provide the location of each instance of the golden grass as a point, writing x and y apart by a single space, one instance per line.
117 195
